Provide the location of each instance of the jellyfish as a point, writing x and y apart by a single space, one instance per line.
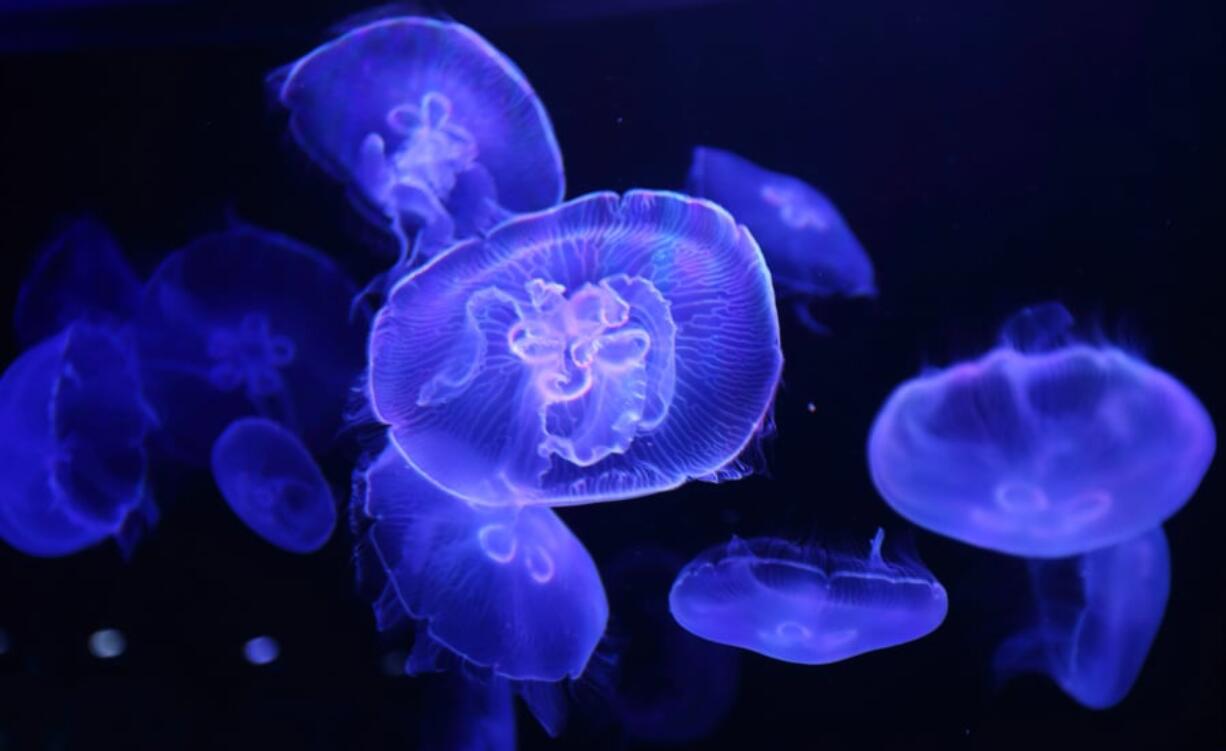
506 588
605 349
670 686
468 713
428 124
80 275
1098 614
1043 447
270 480
246 322
73 462
805 604
809 248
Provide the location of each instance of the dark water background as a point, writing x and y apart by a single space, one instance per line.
988 154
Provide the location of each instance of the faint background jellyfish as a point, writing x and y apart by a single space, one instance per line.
806 604
809 248
609 348
1097 616
246 322
1042 447
80 275
428 123
507 589
72 462
670 686
270 480
464 712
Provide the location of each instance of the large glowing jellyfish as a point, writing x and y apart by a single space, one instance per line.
80 275
805 604
809 248
428 123
270 480
1098 614
72 462
609 348
1042 447
509 589
246 322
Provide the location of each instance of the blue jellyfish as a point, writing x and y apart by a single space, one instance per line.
805 604
809 248
1098 614
72 462
509 589
609 348
246 322
1043 447
428 123
80 275
270 480
670 686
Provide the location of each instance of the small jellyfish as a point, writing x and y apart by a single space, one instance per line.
80 275
246 322
270 480
1043 447
670 686
1098 614
428 123
809 248
72 462
509 589
805 604
609 348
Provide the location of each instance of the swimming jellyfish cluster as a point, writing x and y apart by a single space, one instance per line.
526 351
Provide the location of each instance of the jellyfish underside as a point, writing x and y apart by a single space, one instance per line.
765 597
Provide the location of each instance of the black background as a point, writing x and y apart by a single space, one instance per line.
989 155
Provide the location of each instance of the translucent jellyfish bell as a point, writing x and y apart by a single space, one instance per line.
1097 617
809 248
247 322
804 604
612 347
428 122
72 462
80 275
270 480
1042 447
505 588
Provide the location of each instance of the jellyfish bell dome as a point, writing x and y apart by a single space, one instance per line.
271 482
427 122
1043 447
246 322
805 604
506 588
73 462
809 247
608 348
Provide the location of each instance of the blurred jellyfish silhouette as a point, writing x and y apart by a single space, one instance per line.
670 686
428 124
467 713
1097 616
609 348
73 463
508 589
270 480
80 275
246 322
805 604
1043 447
809 248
